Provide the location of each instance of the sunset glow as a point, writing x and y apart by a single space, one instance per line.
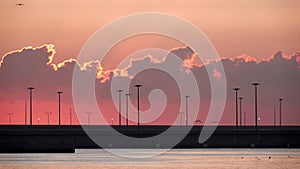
256 41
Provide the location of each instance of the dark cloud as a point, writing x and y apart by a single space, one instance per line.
279 76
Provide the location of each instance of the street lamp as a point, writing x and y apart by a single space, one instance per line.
138 102
70 116
127 97
181 113
30 93
88 117
120 91
48 114
10 119
240 110
187 110
236 106
255 97
59 93
244 118
280 111
274 116
25 113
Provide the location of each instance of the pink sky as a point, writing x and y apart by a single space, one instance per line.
252 29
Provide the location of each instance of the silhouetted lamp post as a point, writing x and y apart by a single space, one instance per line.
181 113
255 97
240 98
187 110
48 114
138 102
127 97
244 118
25 112
274 117
70 116
88 117
120 91
30 91
280 112
59 93
236 106
10 114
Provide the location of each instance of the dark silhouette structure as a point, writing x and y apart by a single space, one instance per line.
120 122
25 113
48 114
181 113
59 93
88 117
70 116
187 110
240 98
244 118
236 107
30 92
280 112
138 102
10 114
274 118
127 97
65 138
255 98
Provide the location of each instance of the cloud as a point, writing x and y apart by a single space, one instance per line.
278 74
33 66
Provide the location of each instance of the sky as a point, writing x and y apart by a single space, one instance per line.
257 40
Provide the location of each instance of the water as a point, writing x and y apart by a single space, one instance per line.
176 158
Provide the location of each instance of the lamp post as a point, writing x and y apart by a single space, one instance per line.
25 113
181 113
138 102
236 106
70 116
120 91
187 110
30 95
240 98
10 114
59 93
255 97
48 114
244 118
280 112
127 97
88 117
274 117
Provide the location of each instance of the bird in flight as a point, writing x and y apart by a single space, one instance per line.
19 4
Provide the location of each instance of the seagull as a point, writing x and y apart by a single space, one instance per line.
19 4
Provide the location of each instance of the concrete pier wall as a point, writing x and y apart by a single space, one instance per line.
68 138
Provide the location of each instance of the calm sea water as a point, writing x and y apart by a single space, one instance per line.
175 158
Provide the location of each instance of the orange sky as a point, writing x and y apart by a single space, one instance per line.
258 28
254 27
